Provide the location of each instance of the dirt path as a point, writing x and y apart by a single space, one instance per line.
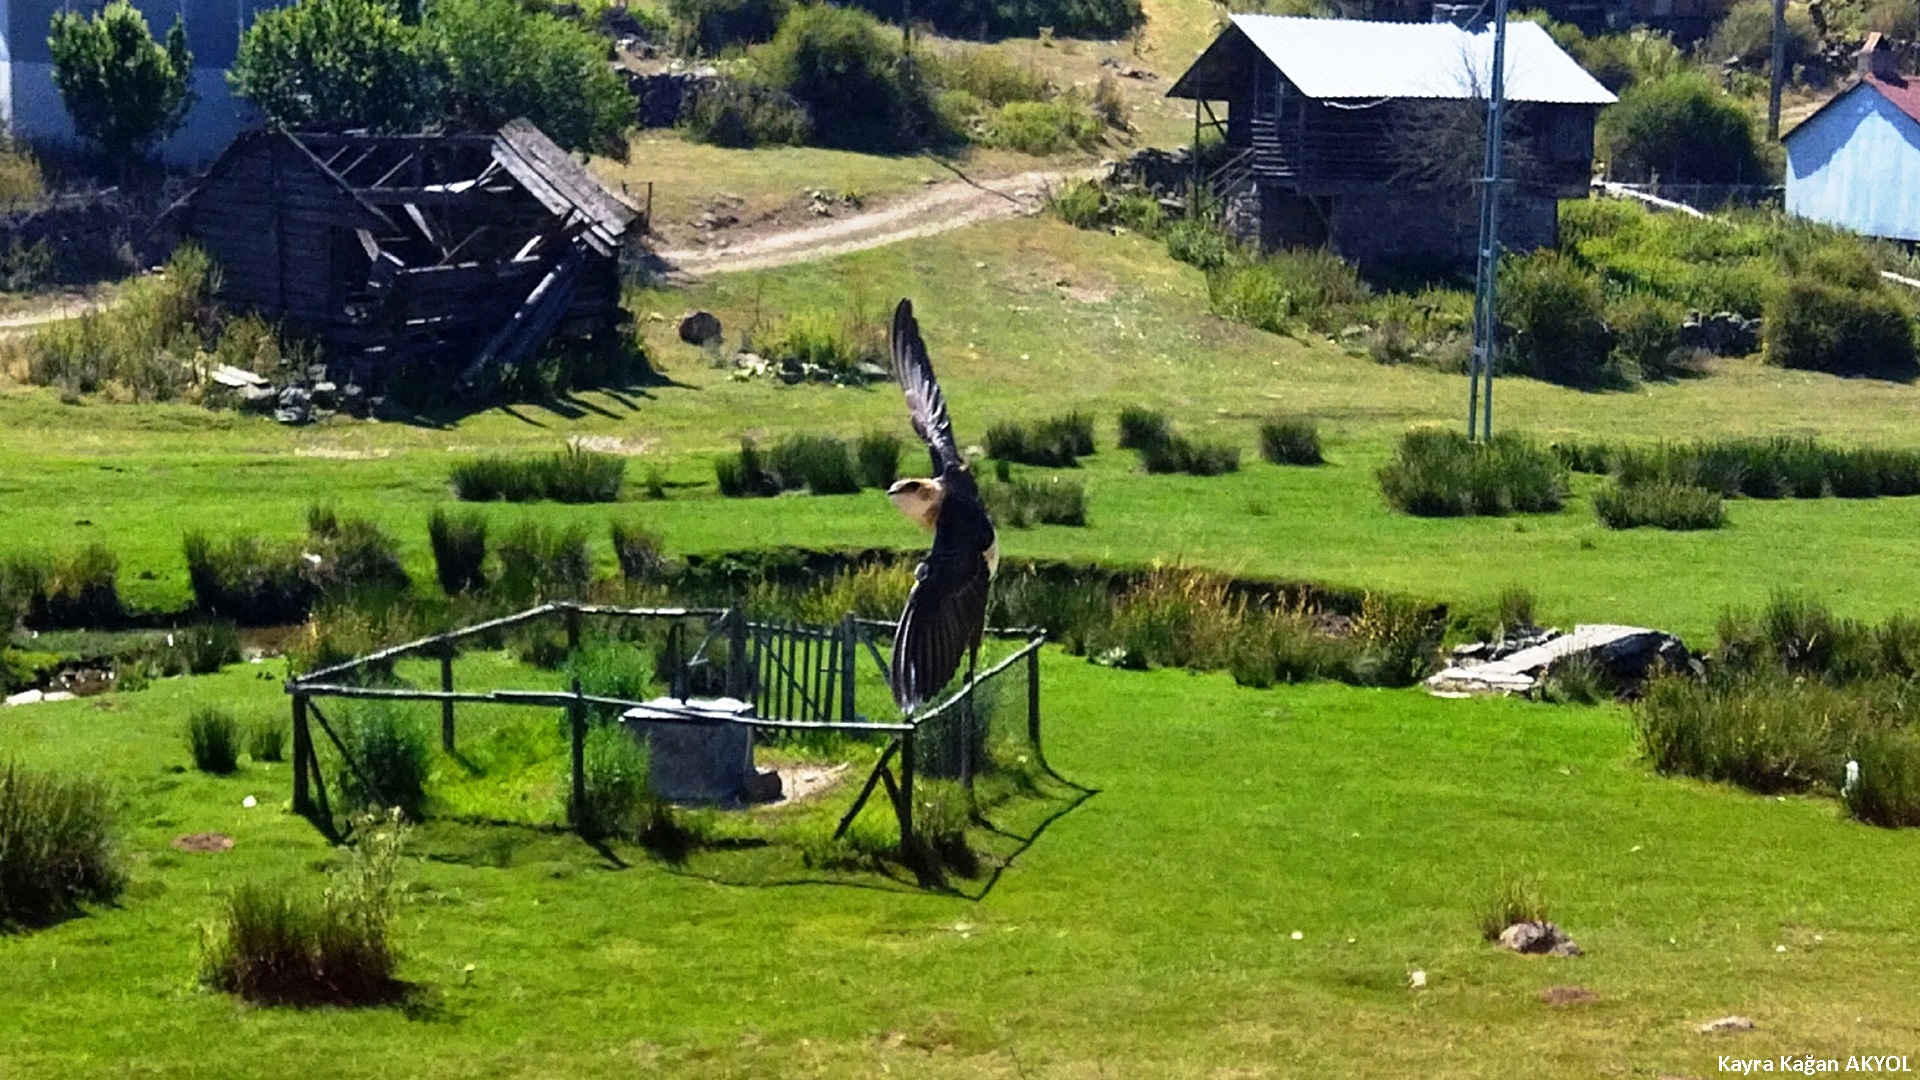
942 207
56 309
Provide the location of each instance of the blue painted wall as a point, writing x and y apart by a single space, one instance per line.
1856 164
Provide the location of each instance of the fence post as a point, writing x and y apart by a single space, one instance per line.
573 629
738 666
302 756
577 725
446 706
909 850
848 642
1033 700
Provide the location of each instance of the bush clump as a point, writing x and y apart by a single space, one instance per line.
639 551
267 740
852 79
1683 129
1056 442
74 590
821 464
1141 427
1023 503
571 476
1840 329
355 556
710 26
144 342
611 668
1437 473
1290 440
56 847
1887 792
1043 127
1279 291
1554 311
253 581
213 736
825 342
389 746
540 562
620 802
1660 504
1191 456
277 947
744 475
877 456
744 114
459 542
1782 467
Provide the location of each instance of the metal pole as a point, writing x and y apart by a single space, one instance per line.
1033 703
1486 272
908 848
1779 74
848 642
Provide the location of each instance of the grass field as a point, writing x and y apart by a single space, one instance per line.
1148 932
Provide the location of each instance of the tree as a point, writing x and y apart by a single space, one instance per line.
123 89
851 76
500 60
1683 128
336 65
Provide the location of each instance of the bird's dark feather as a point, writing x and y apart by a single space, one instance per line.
913 370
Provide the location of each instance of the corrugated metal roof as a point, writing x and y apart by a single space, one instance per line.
1348 58
1903 94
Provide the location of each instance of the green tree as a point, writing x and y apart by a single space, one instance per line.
1683 128
851 75
123 89
500 60
338 64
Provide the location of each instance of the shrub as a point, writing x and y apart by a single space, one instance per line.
1272 292
499 59
1685 130
1764 732
1820 326
1746 34
1574 680
1056 442
71 591
1079 203
1553 307
1798 636
1181 454
538 562
267 740
875 591
1887 792
849 74
337 64
744 475
610 668
56 847
1437 473
275 947
123 89
1173 618
1106 19
1392 640
459 542
571 476
639 551
710 26
1280 646
1646 337
1290 440
987 74
1141 428
206 647
1043 127
1771 468
819 463
1198 243
143 342
389 745
355 555
1024 503
1516 899
1661 504
214 737
743 113
834 342
619 801
252 581
877 456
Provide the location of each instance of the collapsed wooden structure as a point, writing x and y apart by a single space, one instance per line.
442 256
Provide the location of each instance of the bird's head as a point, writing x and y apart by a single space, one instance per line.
919 500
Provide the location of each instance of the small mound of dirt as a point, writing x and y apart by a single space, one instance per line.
1568 995
204 841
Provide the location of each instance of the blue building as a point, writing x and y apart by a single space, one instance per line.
1855 162
31 109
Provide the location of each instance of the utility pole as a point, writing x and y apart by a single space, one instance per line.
1779 78
1487 269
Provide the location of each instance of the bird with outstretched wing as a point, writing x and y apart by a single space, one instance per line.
946 611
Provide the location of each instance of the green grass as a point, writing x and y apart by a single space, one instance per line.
1382 860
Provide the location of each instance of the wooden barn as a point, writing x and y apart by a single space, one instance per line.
433 255
1855 162
1367 136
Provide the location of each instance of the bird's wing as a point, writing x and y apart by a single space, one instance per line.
945 615
925 403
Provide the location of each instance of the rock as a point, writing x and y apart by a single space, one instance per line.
1417 980
764 786
26 697
700 328
1726 1023
1625 654
256 398
1538 938
352 400
325 395
296 406
229 376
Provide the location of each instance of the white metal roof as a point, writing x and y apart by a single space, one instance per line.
1348 58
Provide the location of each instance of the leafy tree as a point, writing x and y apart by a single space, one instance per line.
337 64
1685 129
501 60
123 89
851 76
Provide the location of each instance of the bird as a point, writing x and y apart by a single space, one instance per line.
946 610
